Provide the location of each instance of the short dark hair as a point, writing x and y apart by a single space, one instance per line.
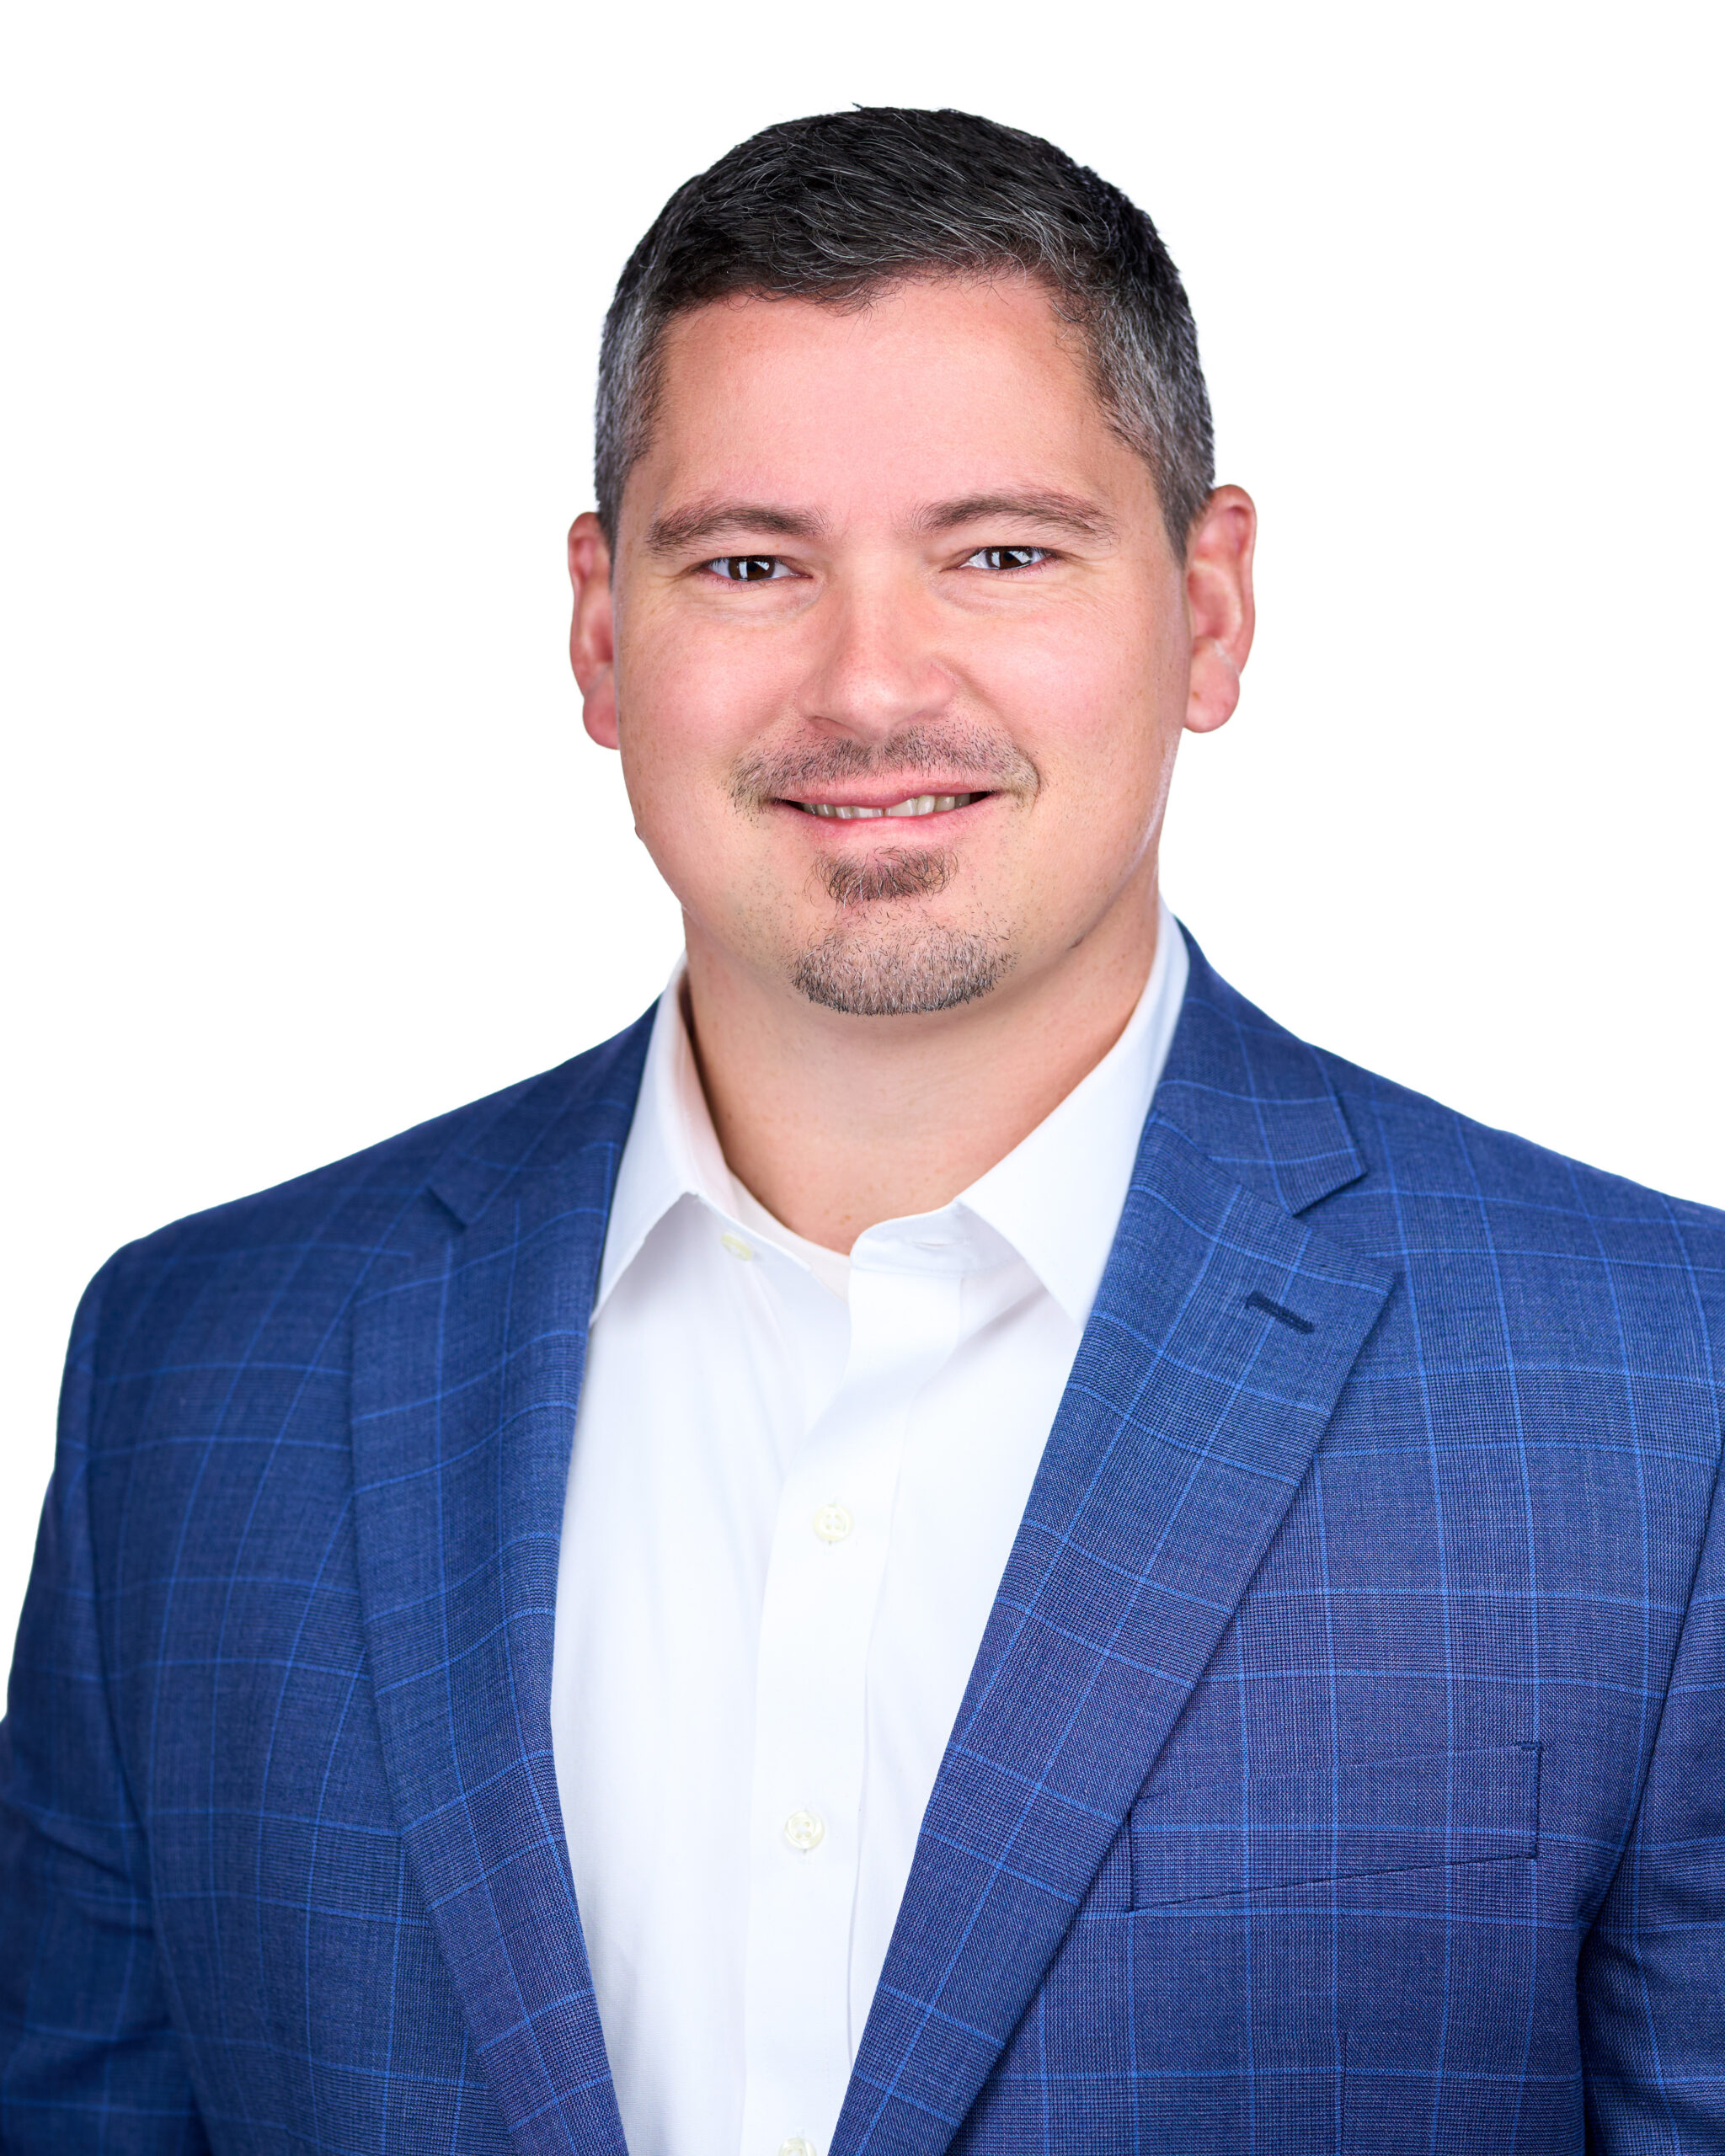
832 207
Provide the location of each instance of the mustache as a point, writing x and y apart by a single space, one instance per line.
958 752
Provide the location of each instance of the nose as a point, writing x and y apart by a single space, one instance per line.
876 668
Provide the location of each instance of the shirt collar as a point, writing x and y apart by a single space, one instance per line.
672 1150
1055 1198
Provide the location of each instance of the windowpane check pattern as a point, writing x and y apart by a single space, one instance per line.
1340 1770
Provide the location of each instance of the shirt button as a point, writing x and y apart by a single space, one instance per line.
796 2146
832 1523
803 1831
736 1245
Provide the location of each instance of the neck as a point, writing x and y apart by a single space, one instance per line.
835 1122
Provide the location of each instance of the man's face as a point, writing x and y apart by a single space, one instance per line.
896 649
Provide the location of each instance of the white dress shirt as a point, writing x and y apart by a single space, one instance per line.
795 1482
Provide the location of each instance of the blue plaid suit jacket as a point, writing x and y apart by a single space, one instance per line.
1341 1770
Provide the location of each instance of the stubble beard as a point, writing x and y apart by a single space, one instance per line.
889 962
883 958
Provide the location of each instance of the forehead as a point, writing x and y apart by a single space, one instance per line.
930 389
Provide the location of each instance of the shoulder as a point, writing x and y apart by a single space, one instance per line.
1513 1236
1417 1147
1485 1228
313 1240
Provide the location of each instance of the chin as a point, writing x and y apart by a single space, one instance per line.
902 973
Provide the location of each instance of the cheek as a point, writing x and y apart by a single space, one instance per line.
688 707
1094 711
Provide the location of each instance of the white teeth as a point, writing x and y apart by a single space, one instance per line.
918 804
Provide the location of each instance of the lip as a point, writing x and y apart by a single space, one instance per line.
880 799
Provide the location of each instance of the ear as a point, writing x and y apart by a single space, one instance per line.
592 648
1218 605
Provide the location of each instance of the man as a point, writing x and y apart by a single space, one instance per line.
955 1542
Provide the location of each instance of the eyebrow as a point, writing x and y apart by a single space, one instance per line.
1069 511
687 527
681 529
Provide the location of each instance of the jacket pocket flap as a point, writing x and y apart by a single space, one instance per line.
1191 1840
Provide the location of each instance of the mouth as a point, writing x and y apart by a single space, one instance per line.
915 805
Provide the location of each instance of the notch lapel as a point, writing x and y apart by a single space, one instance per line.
467 1372
1222 1334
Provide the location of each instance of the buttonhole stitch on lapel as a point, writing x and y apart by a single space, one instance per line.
1280 1312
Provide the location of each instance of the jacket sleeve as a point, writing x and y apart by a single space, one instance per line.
1653 1968
88 2055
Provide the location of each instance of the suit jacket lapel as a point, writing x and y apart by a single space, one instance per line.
467 1371
1222 1334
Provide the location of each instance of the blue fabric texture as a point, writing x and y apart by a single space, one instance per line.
1341 1770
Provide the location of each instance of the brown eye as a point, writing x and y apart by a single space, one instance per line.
746 568
1008 558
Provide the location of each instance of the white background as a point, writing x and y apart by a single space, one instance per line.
303 842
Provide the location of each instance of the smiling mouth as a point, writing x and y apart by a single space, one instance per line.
918 804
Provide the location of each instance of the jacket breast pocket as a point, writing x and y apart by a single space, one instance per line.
1194 1839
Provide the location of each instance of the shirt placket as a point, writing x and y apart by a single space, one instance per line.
828 1560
